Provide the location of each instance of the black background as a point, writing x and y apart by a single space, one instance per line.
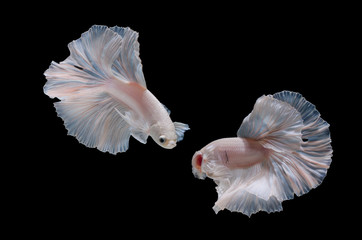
208 67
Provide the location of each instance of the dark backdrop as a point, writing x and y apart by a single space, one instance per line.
208 70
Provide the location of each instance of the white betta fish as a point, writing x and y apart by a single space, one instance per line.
283 148
103 93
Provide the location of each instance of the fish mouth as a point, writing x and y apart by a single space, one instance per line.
196 162
171 144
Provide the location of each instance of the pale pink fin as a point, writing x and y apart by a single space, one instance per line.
274 122
263 187
316 146
128 65
89 65
299 153
247 203
247 190
95 123
138 127
87 110
180 129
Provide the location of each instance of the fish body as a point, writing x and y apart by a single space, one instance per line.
282 148
103 93
148 114
233 152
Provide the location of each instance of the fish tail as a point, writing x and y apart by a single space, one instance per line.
297 140
79 82
314 155
89 65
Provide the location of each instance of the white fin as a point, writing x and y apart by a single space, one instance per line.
87 111
128 64
93 121
88 66
264 186
180 129
139 135
246 203
280 123
244 190
274 122
315 132
139 129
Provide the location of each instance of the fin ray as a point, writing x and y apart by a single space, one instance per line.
87 67
86 109
315 130
247 191
247 203
275 123
128 64
95 123
281 122
180 129
139 135
138 127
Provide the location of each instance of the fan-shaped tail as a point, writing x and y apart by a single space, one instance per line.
299 155
79 82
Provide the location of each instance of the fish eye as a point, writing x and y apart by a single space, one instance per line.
162 139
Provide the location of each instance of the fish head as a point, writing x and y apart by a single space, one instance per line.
207 163
166 142
164 137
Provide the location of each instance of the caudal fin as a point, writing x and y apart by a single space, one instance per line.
89 113
89 65
299 155
128 64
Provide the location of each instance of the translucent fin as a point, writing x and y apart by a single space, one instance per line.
246 190
247 203
88 66
128 65
280 123
94 122
180 129
88 112
138 127
316 145
264 186
274 122
139 135
315 155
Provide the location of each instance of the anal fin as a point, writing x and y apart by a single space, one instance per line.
240 200
93 121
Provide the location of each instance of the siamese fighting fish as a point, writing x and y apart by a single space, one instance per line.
282 148
103 95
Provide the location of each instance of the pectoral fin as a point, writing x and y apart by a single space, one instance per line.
180 130
138 128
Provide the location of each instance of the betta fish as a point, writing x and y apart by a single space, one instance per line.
103 95
282 148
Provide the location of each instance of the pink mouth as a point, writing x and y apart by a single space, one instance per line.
197 160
